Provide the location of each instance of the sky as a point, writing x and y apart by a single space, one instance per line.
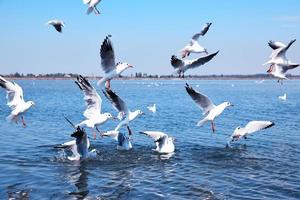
145 33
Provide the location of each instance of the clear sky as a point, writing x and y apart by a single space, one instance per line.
145 33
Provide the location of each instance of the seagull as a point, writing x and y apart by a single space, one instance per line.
57 24
194 46
123 141
92 6
209 108
109 67
93 101
181 66
152 108
251 127
283 97
15 100
125 115
278 55
164 143
275 45
79 147
279 70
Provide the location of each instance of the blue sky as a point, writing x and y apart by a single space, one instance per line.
145 33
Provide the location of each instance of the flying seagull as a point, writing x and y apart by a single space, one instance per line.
251 127
181 66
279 70
15 100
79 147
194 46
57 24
125 115
164 143
93 101
110 68
123 141
92 6
152 108
278 55
209 108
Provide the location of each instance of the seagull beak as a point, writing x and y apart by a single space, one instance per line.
231 105
131 66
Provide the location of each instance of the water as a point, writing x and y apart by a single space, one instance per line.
265 166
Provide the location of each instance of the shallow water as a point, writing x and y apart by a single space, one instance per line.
266 165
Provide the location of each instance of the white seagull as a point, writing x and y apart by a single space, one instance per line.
251 127
92 6
181 66
93 101
125 115
164 143
283 97
278 55
209 108
152 108
110 68
194 46
123 141
79 147
15 100
279 70
57 24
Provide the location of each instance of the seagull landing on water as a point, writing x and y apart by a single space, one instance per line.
283 97
181 66
93 101
194 46
125 115
15 100
209 108
110 68
251 127
57 24
164 143
152 108
79 147
92 6
123 141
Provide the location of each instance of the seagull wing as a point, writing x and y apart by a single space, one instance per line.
255 126
176 62
58 27
201 61
92 99
201 100
275 45
116 101
107 56
203 31
14 92
280 52
155 135
285 68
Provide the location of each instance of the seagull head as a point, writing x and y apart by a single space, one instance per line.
123 66
140 112
78 133
228 104
236 134
171 139
30 103
108 115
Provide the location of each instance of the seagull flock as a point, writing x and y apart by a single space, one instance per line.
95 117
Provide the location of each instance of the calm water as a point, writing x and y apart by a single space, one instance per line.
266 166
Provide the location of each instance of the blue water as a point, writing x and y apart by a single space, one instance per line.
265 166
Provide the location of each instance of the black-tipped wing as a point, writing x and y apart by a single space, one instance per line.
14 92
275 45
116 101
176 62
107 56
201 61
255 126
92 99
201 100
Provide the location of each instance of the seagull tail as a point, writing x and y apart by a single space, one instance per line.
10 117
101 82
201 122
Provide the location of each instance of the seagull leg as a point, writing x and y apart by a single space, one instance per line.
23 121
107 85
182 74
212 126
129 131
15 119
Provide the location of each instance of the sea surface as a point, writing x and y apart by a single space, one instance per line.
265 166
